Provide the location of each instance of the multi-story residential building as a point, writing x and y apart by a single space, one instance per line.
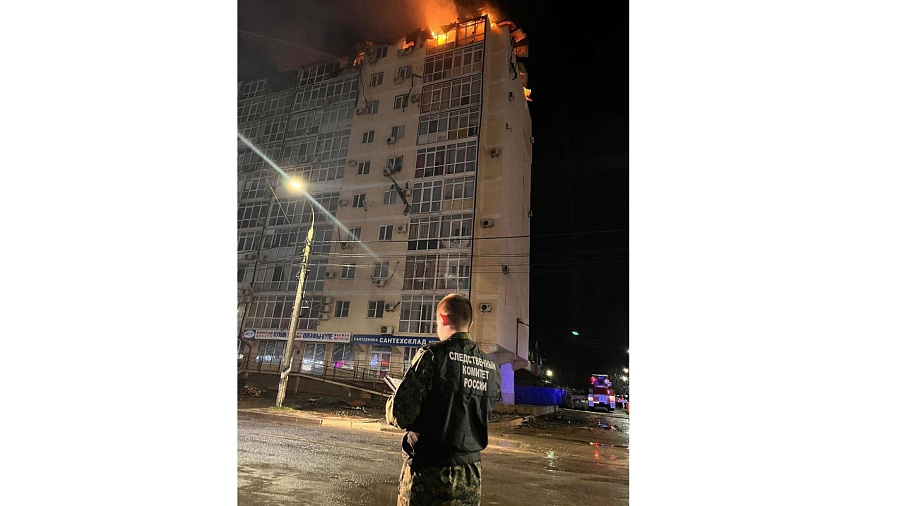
418 154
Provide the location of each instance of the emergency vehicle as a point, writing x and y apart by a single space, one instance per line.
601 393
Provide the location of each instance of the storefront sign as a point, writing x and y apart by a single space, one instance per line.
328 337
270 334
393 340
249 334
325 337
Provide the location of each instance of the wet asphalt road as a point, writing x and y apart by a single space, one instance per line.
569 458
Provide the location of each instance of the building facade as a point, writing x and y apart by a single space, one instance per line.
417 159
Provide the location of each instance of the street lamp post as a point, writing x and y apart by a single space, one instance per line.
288 358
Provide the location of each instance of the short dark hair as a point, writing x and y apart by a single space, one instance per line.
458 309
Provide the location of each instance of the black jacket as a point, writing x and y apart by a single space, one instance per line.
445 403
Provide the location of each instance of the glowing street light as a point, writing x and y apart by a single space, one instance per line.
549 373
574 332
625 370
288 358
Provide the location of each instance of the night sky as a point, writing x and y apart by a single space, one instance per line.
578 74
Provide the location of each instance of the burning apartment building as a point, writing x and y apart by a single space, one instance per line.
415 156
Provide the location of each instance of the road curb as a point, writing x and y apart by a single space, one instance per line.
375 425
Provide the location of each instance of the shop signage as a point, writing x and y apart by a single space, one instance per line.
393 340
329 337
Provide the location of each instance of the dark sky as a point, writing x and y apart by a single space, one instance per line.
578 73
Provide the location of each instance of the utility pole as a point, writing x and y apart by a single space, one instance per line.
288 358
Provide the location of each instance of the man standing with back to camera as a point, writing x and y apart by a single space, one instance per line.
445 403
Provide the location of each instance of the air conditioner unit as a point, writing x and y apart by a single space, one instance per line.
414 98
329 275
398 79
325 308
323 316
389 307
306 131
326 300
379 282
249 256
391 140
346 245
401 229
342 203
304 159
404 52
486 308
387 171
495 152
387 329
487 223
351 163
360 111
371 58
505 269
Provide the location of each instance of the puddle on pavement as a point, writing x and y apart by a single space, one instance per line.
384 493
506 443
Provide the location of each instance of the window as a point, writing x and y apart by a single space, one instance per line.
249 241
380 360
449 125
376 79
398 131
362 168
395 163
274 311
252 214
270 352
368 137
451 94
385 232
417 313
434 232
376 309
427 197
390 196
401 101
348 271
342 356
409 353
372 107
459 193
283 237
404 72
254 89
359 200
354 234
381 269
381 52
313 358
437 272
451 158
342 309
254 186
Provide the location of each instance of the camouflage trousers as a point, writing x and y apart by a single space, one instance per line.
440 486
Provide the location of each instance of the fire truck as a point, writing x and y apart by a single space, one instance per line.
601 393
